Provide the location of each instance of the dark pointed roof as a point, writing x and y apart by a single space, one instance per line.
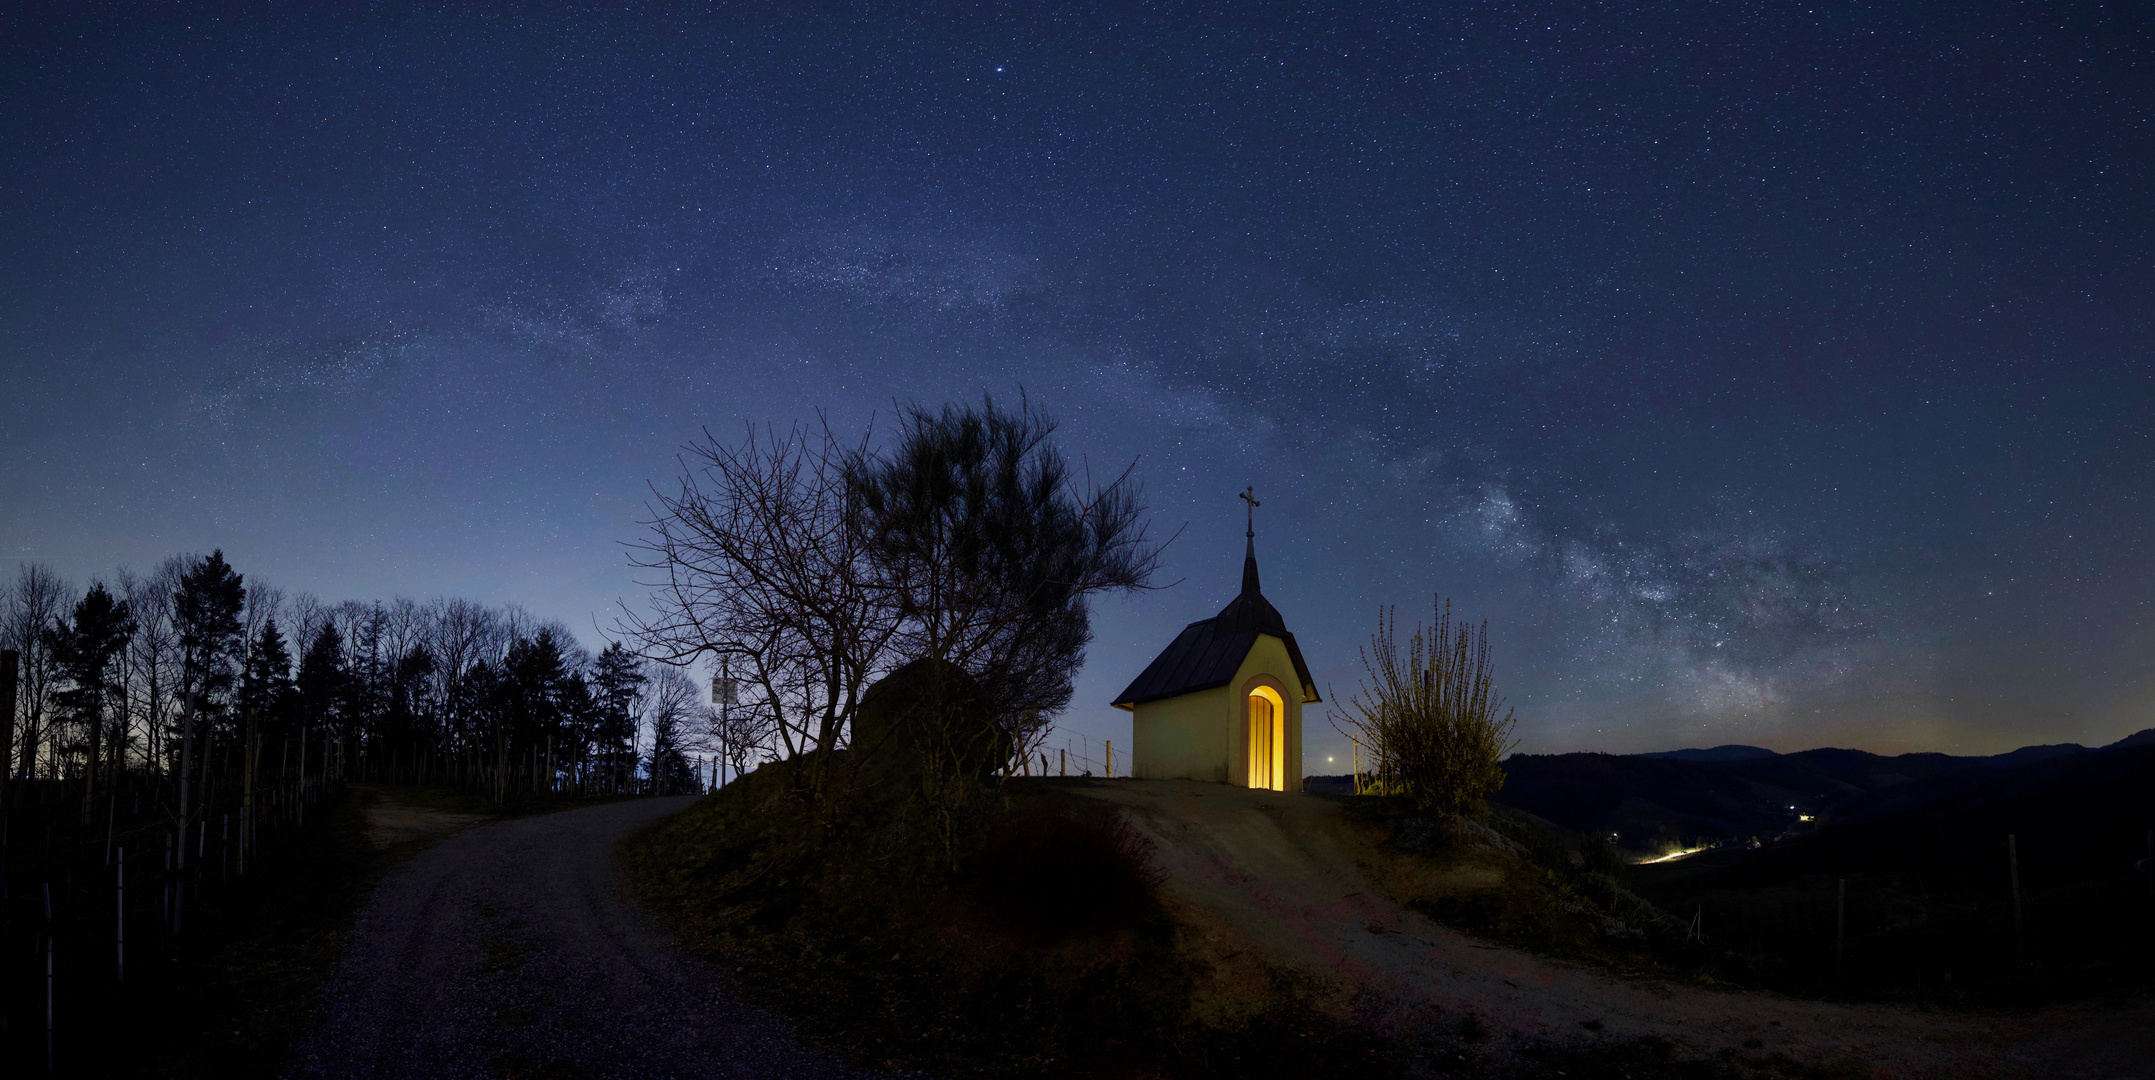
1207 653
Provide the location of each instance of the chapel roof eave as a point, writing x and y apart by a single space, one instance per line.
1208 652
1203 657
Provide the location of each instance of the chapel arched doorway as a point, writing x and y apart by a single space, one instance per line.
1266 738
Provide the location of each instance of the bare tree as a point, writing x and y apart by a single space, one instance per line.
740 737
153 656
670 708
307 616
461 634
32 606
264 602
404 626
808 567
756 563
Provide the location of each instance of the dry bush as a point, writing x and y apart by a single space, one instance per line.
1431 716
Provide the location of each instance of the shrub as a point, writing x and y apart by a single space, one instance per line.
1431 716
1600 856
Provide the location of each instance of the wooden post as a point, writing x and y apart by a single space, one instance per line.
246 803
1111 759
1840 931
1062 767
2012 864
120 947
48 977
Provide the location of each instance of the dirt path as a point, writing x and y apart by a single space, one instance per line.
1284 875
507 951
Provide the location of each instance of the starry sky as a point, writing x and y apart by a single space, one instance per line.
1765 373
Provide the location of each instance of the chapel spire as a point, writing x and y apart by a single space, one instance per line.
1249 542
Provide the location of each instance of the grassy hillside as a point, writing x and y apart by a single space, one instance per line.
1042 949
1051 948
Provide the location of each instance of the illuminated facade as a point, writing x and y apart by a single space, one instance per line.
1224 701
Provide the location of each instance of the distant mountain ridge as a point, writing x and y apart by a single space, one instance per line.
2143 737
1736 792
1716 755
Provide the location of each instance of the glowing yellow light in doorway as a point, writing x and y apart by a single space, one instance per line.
1267 739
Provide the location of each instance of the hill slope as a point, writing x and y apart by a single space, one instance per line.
1293 881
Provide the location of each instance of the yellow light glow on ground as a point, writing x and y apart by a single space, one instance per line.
1672 856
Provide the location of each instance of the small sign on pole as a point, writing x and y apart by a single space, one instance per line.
725 691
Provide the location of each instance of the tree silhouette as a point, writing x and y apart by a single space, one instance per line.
265 682
988 545
86 654
324 685
206 609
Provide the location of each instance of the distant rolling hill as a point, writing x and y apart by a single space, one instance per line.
2074 813
1718 755
1686 797
1903 883
2024 877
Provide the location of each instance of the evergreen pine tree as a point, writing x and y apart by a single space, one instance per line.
206 610
616 680
84 654
265 682
325 683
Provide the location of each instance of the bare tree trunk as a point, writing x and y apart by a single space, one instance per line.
89 776
246 805
187 759
9 660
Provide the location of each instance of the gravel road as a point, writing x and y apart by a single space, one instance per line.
508 951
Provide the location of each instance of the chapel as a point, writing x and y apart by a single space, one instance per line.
1224 700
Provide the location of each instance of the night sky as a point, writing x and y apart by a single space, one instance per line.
1762 373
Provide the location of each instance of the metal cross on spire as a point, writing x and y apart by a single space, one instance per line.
1249 495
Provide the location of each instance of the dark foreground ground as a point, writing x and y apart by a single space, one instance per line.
508 951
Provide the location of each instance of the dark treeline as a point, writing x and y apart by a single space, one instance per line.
168 736
181 671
